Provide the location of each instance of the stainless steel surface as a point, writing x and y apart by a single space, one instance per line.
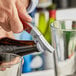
40 40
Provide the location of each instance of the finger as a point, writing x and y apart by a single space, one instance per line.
2 16
16 25
21 7
4 23
6 26
25 16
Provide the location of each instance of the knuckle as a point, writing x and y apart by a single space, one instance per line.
9 12
17 30
6 8
2 17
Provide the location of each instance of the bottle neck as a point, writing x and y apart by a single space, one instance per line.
52 14
42 19
41 15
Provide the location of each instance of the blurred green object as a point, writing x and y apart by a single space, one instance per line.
44 26
52 17
42 23
48 34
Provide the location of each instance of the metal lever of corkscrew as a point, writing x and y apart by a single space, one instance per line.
38 38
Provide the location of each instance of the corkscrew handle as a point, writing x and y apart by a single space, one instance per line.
26 26
21 48
9 41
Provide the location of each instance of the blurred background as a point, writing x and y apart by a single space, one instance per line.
43 15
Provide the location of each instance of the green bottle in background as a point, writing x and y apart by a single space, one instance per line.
52 17
42 25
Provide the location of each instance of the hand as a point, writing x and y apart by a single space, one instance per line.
10 11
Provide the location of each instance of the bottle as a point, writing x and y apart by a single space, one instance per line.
42 22
52 17
21 48
48 35
44 3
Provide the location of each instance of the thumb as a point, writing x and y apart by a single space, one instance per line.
25 16
16 25
21 7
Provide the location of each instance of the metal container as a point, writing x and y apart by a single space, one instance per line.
64 42
10 64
